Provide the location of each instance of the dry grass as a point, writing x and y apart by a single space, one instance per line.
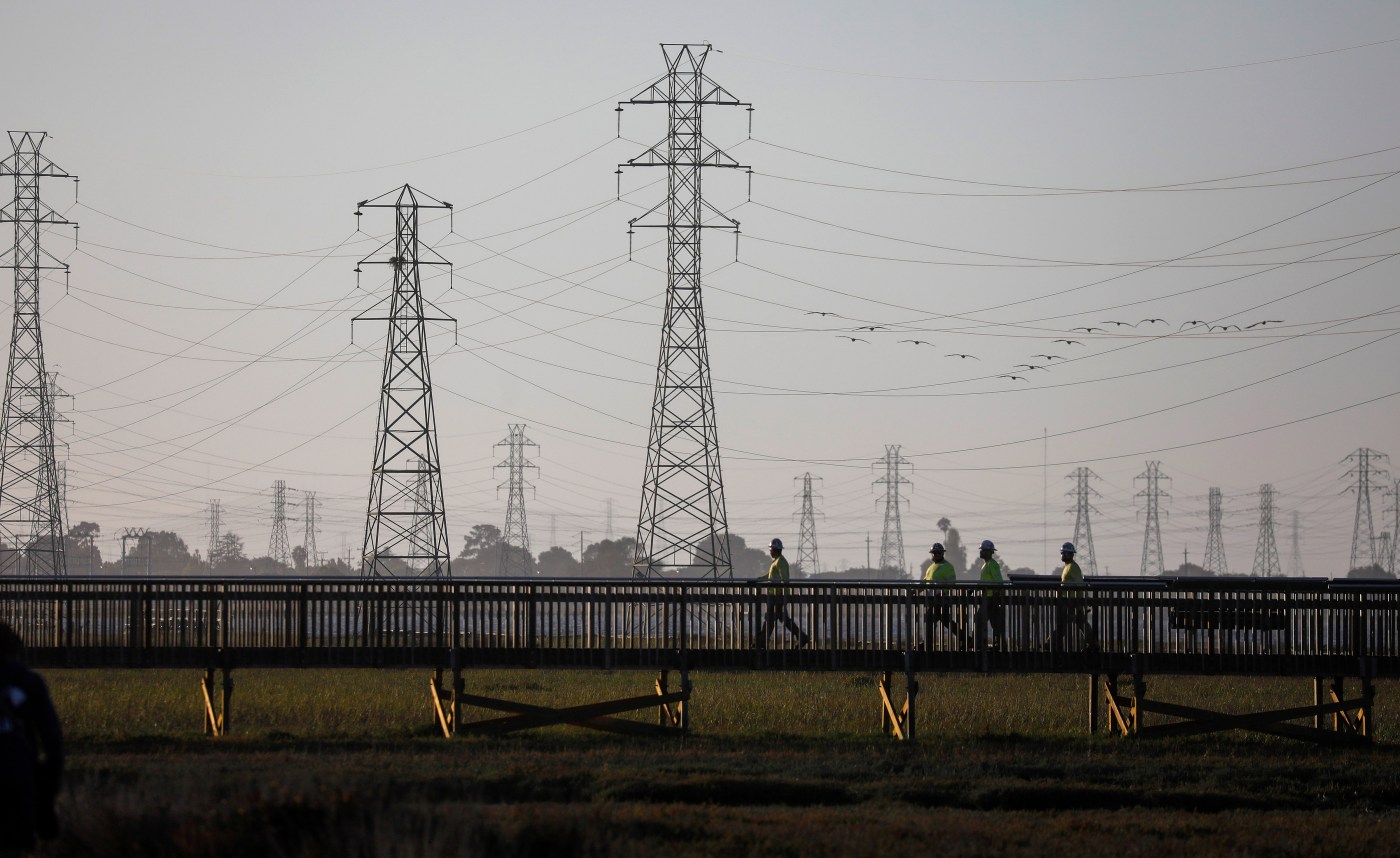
345 763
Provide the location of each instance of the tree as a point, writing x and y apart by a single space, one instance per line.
167 551
231 556
749 562
610 558
299 558
557 563
1372 571
81 547
953 550
481 551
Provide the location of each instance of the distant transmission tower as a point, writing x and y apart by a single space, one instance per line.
402 538
682 526
515 539
308 538
216 526
31 510
1266 563
1215 543
1368 476
608 510
56 417
1392 514
807 560
892 538
277 546
1295 559
1083 507
1152 536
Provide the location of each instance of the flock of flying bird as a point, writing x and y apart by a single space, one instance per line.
1050 359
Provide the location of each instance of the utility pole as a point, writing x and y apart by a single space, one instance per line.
608 515
867 550
892 537
401 538
1368 476
1083 528
553 530
216 526
308 539
1295 561
31 512
807 529
277 546
1266 563
1215 562
683 524
1152 564
515 557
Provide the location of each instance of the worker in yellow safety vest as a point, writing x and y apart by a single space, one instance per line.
992 610
1072 612
940 608
777 599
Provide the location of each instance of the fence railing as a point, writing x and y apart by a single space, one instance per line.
1235 626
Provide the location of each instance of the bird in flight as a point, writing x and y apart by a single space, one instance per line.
818 313
1263 323
1012 377
1119 324
1150 321
1089 330
1224 327
956 355
918 342
1051 357
1069 342
1193 323
1029 366
853 339
873 328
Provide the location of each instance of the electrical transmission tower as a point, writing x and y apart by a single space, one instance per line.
31 510
1369 475
1152 536
308 538
1392 514
406 526
1295 559
892 538
682 526
1215 542
216 526
1266 563
608 511
515 539
807 560
1083 507
277 546
56 417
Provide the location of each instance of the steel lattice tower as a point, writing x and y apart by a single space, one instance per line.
607 510
308 537
1152 563
1295 560
682 526
216 526
54 418
31 511
515 539
277 546
1367 474
405 533
892 537
1215 542
1266 562
1392 513
1083 507
807 560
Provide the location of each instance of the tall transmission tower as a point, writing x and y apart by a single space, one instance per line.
308 538
402 538
216 526
1083 508
608 514
1392 514
682 526
1215 543
31 511
277 546
1153 493
1266 562
55 417
807 559
1295 558
515 539
892 538
1369 475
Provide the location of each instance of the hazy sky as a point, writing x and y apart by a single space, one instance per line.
982 176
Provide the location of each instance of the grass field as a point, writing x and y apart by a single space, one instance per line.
348 763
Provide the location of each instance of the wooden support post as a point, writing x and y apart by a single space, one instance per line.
1363 715
1139 697
1317 701
1093 704
447 717
1340 721
911 694
898 723
216 722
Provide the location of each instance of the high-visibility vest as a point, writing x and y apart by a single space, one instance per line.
778 571
942 573
1072 574
991 570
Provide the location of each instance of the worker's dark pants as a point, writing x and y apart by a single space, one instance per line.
941 610
993 612
777 611
1070 615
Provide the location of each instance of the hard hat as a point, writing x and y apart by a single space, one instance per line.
937 546
1067 548
988 546
777 543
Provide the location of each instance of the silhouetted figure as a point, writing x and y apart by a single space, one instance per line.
31 751
940 604
1070 609
777 599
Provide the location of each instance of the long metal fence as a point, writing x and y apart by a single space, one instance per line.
1230 626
